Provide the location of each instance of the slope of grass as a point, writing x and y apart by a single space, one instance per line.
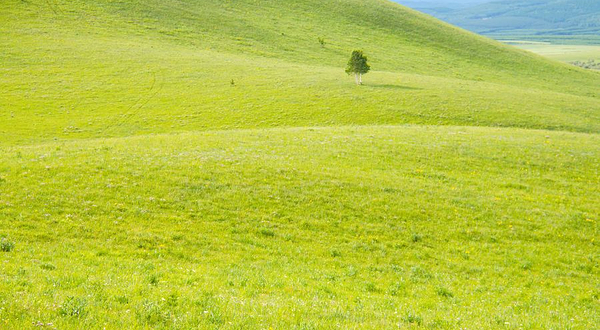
137 67
304 228
141 188
177 89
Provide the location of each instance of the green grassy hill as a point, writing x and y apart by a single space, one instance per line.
140 188
91 69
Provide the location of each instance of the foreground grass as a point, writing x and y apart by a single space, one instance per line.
304 228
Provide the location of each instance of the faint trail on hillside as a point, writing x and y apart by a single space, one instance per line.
54 7
135 107
51 7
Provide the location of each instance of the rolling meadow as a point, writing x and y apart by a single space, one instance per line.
208 165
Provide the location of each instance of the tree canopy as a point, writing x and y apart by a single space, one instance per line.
358 66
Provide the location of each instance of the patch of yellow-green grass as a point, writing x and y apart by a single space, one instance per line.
355 227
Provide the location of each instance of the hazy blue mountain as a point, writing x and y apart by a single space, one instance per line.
524 17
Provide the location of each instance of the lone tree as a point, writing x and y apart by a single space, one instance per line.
358 65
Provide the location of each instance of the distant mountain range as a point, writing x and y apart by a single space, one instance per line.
522 17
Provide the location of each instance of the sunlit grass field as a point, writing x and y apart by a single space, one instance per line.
208 165
305 228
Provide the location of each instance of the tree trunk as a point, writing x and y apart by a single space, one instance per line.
360 81
356 78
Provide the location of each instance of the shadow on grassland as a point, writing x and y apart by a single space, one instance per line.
389 86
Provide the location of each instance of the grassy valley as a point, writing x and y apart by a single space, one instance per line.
580 55
208 164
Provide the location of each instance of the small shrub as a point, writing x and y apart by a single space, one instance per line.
443 292
74 307
336 253
370 287
173 299
47 266
122 300
6 245
153 279
267 232
413 319
102 253
322 41
416 238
